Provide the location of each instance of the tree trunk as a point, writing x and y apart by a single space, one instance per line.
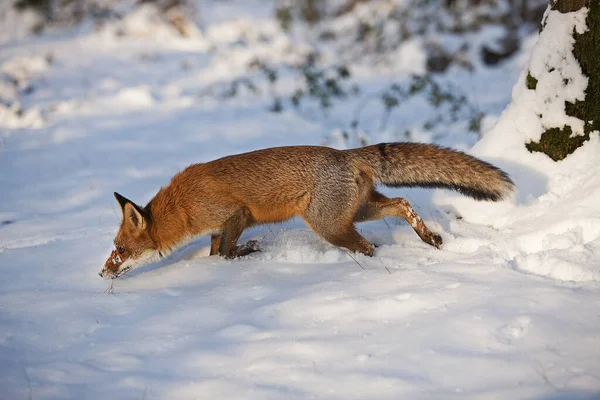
558 142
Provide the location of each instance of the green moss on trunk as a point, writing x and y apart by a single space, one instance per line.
557 143
566 6
531 81
587 52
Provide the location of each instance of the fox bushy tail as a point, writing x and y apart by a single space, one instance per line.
431 166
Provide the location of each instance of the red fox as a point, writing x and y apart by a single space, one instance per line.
330 189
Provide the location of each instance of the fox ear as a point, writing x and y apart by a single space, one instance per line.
122 200
131 212
134 216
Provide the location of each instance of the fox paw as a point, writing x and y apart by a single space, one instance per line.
251 246
435 240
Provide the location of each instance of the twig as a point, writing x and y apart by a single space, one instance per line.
110 289
539 369
385 266
30 396
352 257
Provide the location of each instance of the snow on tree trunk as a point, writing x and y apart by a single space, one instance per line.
564 73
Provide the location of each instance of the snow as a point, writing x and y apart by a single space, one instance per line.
559 75
508 308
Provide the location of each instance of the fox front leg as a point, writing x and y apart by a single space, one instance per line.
241 250
232 230
215 242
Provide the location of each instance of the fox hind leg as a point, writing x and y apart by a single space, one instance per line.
346 237
341 234
379 206
352 240
331 209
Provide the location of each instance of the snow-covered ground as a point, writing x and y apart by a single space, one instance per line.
508 308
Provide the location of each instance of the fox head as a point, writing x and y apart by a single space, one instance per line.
134 245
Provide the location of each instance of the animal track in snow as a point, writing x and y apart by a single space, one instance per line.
516 329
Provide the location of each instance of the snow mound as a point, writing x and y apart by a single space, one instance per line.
552 225
553 234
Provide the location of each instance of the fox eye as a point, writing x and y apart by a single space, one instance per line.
120 249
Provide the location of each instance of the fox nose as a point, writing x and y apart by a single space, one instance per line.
101 273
